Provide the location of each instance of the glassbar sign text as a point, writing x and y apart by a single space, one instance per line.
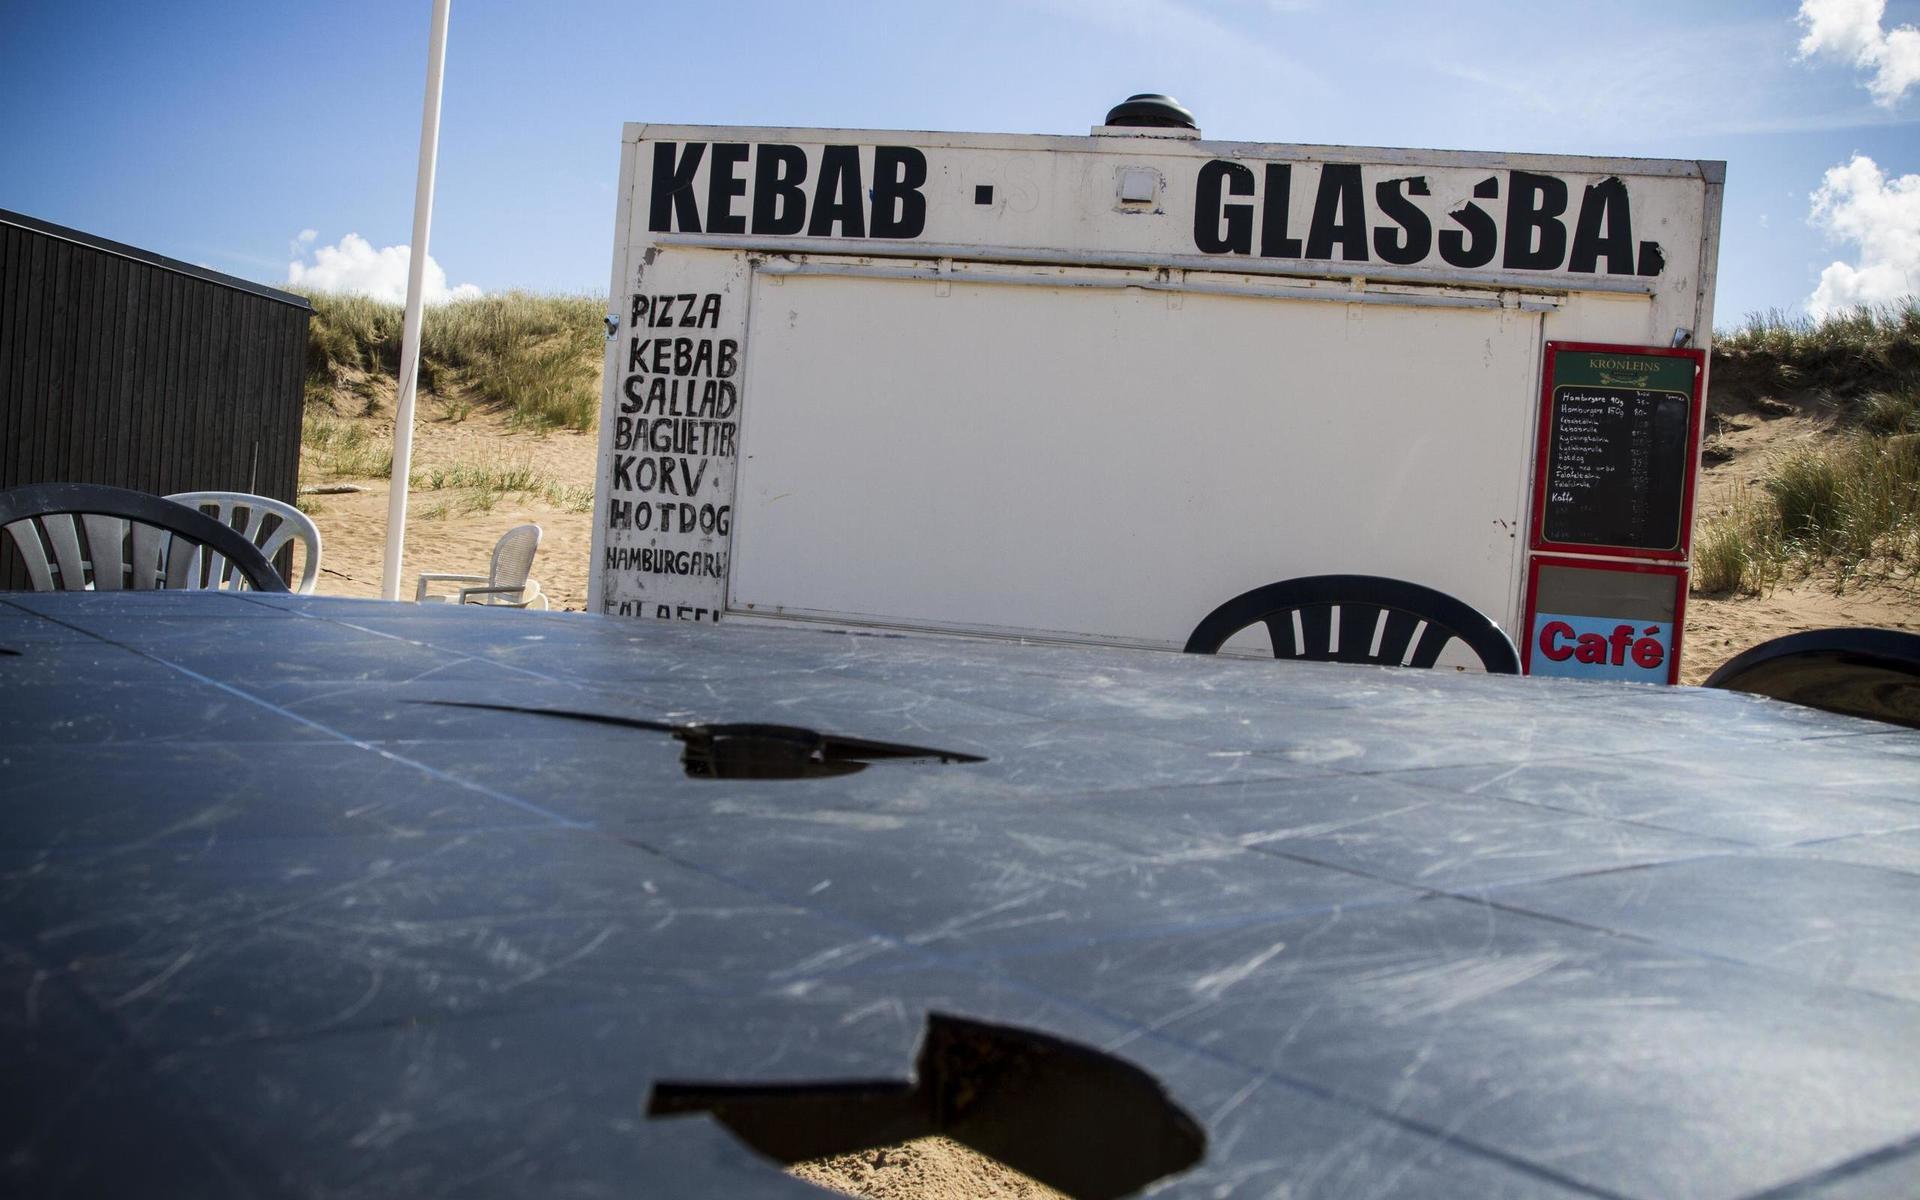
1513 220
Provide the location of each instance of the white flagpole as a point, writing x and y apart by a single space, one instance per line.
410 329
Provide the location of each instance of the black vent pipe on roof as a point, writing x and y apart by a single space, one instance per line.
1151 110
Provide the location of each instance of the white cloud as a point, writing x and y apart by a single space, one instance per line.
1847 29
354 266
1857 203
1850 30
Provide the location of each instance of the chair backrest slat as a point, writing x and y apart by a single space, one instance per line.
253 516
1357 625
149 555
275 538
64 536
106 550
33 554
1431 641
1397 637
1316 630
214 573
183 568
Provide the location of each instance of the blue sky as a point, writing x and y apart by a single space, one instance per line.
218 132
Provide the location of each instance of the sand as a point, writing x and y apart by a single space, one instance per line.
441 537
1718 629
929 1168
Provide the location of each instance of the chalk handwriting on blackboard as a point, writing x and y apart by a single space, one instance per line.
1616 467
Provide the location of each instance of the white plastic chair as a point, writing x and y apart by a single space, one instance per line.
268 523
506 584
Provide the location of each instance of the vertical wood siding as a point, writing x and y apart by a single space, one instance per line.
126 369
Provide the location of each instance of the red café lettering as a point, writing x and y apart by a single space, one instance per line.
1557 642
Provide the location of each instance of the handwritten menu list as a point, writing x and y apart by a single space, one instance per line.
1616 466
675 439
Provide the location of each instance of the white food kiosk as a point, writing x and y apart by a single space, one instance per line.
1085 389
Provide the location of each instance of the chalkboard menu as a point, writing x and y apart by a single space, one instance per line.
1616 449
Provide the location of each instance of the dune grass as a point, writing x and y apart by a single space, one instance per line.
488 477
1850 509
479 487
331 448
1848 506
349 335
1848 356
535 357
1736 552
573 498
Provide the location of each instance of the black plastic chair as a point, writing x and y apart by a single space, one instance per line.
1418 623
1872 673
75 536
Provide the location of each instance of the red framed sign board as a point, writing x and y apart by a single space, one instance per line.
1604 620
1618 449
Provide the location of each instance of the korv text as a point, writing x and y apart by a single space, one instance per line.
1517 220
831 196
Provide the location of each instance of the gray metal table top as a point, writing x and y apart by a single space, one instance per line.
270 925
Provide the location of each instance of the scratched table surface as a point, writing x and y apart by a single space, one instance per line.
272 924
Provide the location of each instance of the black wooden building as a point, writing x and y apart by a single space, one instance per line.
123 367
